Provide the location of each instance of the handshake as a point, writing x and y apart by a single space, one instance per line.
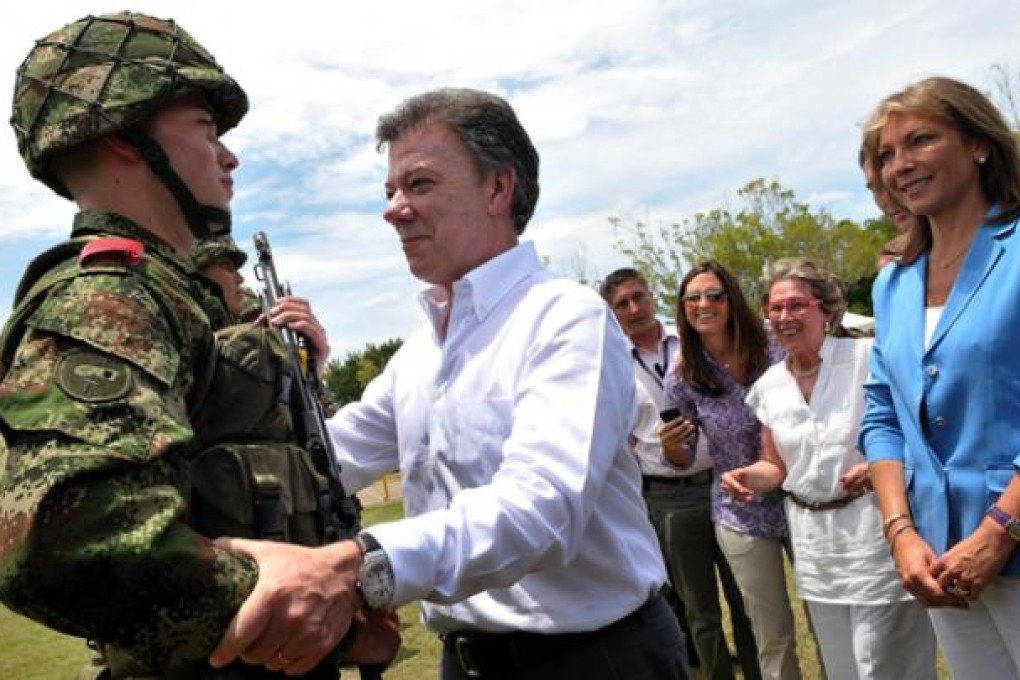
303 606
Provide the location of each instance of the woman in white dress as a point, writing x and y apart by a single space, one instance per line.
810 407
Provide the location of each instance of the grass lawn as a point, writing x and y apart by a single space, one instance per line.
30 652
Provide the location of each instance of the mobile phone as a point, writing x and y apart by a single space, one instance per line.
669 414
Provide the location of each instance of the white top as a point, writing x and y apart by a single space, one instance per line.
840 556
931 320
650 370
523 501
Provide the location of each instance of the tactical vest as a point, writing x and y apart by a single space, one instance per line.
243 475
250 480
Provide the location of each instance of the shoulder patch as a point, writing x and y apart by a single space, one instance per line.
89 376
115 315
126 249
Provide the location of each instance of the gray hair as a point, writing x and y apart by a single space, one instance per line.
487 126
824 285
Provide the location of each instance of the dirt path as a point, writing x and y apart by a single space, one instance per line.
386 489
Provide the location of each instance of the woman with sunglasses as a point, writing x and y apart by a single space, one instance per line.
724 349
810 407
941 428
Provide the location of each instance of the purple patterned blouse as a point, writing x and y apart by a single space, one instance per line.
734 440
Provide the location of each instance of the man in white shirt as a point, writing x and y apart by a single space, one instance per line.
526 537
679 499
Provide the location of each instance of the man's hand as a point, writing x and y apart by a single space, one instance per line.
300 608
676 437
378 638
296 314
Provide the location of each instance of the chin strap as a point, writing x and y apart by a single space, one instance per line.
204 220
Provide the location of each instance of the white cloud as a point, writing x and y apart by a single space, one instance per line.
645 109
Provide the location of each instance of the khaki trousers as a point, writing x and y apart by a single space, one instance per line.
757 565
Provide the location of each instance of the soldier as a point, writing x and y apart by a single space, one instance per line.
108 364
219 260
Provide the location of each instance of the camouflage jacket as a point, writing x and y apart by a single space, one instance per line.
104 362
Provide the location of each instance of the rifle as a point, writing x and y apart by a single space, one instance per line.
338 513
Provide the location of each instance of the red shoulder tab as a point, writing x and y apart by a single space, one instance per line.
130 249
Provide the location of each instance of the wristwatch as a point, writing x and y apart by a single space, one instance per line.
375 579
1006 521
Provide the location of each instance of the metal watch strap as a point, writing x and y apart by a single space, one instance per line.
366 542
375 577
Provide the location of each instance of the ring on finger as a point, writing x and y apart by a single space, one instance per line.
957 590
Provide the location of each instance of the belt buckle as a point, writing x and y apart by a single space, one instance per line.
462 648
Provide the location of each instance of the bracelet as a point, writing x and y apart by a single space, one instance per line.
896 534
897 523
892 518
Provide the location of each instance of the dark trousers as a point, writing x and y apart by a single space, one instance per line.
681 513
646 645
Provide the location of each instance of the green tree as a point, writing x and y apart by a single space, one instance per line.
766 223
1006 82
345 379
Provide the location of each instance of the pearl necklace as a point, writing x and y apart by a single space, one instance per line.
797 373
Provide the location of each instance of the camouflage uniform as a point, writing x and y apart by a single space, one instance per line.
108 366
105 360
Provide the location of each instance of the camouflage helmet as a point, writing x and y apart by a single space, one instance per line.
215 248
106 73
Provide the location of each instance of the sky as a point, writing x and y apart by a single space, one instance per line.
647 110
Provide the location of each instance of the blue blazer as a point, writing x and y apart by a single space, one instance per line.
951 412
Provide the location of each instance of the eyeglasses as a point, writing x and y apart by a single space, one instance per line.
795 307
711 296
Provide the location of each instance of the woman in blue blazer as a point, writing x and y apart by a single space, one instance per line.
941 429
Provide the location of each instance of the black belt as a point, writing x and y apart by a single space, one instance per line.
485 655
697 479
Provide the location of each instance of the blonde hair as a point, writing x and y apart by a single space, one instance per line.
971 114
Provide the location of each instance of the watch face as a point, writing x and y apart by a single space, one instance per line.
376 577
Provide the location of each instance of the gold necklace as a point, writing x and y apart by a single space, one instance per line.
946 264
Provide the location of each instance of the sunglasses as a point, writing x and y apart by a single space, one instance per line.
711 296
795 307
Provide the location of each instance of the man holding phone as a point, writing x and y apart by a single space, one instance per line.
678 497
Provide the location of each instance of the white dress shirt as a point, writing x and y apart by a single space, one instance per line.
650 371
523 502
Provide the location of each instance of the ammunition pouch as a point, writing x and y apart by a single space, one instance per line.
249 480
245 400
245 479
257 490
